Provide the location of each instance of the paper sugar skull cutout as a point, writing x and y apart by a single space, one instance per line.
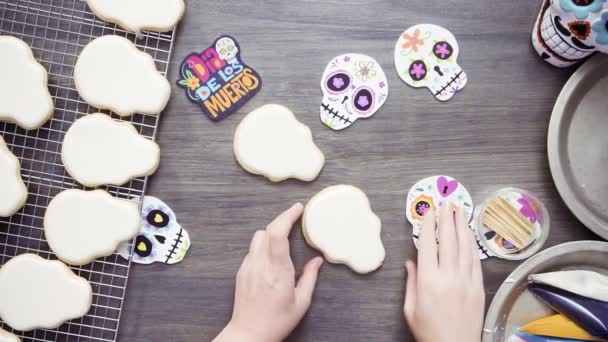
161 238
354 86
567 31
425 56
433 193
227 49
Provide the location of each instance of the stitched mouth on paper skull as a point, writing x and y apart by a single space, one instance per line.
175 245
551 33
455 79
335 114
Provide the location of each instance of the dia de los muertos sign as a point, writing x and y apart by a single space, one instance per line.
218 79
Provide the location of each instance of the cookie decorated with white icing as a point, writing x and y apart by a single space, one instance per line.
25 98
81 226
98 150
5 336
270 141
111 73
13 192
339 222
139 15
36 293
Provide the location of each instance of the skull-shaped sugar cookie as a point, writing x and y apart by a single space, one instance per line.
227 48
425 56
161 238
567 31
354 86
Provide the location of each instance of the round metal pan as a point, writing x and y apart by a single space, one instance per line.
577 144
514 306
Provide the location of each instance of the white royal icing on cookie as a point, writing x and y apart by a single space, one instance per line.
340 223
138 15
111 73
13 192
270 141
25 96
98 150
83 225
38 293
5 336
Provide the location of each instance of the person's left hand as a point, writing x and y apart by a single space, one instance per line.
268 304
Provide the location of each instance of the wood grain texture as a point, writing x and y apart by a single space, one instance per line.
491 135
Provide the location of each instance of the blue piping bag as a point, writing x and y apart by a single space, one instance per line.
523 337
589 314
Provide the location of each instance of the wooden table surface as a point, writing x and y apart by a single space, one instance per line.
491 135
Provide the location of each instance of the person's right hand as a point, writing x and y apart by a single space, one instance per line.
444 299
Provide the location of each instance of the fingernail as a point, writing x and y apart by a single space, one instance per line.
298 205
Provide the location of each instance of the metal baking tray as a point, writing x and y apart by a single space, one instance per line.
514 306
577 144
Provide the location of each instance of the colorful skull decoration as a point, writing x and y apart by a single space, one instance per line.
354 86
567 31
161 238
425 56
227 49
433 193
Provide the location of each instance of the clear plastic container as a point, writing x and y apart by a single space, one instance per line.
530 207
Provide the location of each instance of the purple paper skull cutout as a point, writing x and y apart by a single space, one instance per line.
354 86
425 56
567 31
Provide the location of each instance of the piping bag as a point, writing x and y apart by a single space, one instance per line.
519 336
559 326
589 314
523 337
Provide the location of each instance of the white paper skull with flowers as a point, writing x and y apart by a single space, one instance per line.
354 86
567 31
425 56
161 238
227 49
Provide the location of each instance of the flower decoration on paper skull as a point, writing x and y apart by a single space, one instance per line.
568 31
227 49
425 56
354 86
161 238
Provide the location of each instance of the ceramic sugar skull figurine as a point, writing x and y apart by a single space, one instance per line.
567 31
354 86
161 238
227 49
425 56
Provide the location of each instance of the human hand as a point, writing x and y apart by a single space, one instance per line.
268 304
444 299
